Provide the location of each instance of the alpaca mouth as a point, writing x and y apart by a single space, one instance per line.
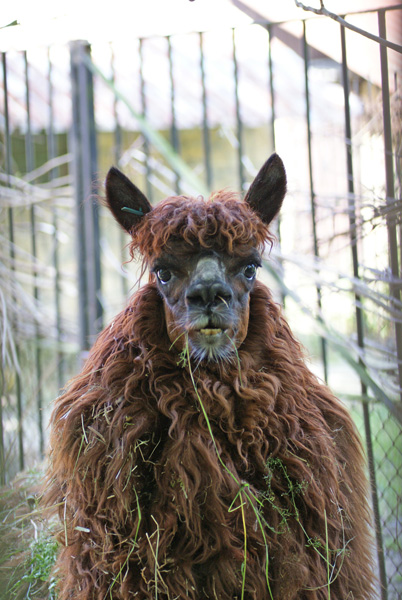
210 331
210 343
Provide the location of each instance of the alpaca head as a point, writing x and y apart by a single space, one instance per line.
202 254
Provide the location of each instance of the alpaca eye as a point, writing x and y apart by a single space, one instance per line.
250 271
164 275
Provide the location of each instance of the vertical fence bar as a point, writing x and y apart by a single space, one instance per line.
311 185
239 122
359 318
20 432
117 153
52 152
205 127
271 84
117 128
144 114
85 164
174 136
29 154
270 31
390 188
79 185
30 165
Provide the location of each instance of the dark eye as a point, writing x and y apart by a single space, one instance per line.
250 271
164 275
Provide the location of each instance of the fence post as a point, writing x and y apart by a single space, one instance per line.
87 214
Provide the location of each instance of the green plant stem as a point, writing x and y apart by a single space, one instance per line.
244 565
327 548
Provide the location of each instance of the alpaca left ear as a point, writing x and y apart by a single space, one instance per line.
266 193
127 203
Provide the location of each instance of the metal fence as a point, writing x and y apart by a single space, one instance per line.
188 114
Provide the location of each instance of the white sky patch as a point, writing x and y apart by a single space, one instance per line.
46 22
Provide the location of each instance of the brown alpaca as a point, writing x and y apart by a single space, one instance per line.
196 456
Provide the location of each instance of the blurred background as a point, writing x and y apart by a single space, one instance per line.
189 97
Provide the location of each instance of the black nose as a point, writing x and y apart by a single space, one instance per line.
209 294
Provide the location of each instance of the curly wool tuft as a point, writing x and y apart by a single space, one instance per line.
223 222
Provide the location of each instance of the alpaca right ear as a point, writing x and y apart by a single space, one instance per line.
266 193
127 203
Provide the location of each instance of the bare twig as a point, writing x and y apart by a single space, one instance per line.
326 13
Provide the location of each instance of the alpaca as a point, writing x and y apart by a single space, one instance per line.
196 456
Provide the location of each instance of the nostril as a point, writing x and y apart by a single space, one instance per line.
197 295
209 295
195 299
220 294
222 299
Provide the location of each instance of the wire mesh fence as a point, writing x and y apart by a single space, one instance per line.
190 114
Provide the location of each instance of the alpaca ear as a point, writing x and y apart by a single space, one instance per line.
266 193
127 203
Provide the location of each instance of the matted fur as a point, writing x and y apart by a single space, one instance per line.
146 507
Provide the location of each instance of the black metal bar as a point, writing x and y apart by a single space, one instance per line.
117 128
270 31
390 188
92 207
6 120
30 165
118 143
359 319
29 154
89 166
312 192
351 192
21 459
144 114
85 163
20 433
174 136
205 127
271 84
239 122
80 222
52 153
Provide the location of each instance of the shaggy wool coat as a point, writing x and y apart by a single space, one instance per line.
222 481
